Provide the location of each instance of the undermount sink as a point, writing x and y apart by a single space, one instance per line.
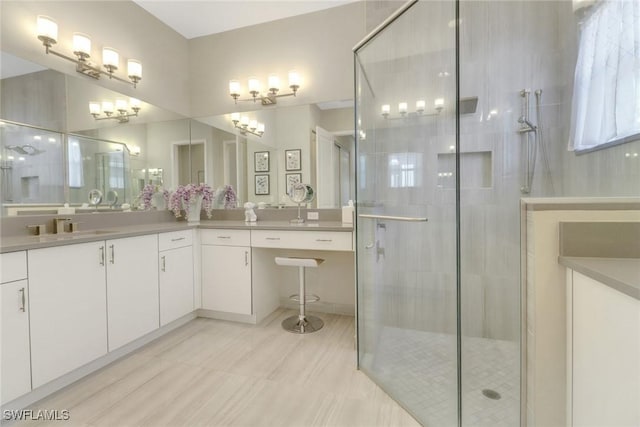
74 235
92 232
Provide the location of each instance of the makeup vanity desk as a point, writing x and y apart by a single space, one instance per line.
241 282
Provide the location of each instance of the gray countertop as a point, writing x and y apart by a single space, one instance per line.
25 242
622 274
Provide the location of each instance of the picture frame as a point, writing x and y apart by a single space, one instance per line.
261 161
262 185
292 160
291 179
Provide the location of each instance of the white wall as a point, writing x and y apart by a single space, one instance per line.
317 45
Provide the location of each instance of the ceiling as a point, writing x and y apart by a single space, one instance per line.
200 18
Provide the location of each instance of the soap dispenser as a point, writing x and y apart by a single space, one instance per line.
347 213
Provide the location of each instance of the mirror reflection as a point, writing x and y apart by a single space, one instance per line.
52 155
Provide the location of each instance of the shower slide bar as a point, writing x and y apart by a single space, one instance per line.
394 218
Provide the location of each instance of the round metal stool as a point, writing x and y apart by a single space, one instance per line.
301 323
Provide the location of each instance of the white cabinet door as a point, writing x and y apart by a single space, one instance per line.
132 288
176 284
68 306
606 355
15 371
226 279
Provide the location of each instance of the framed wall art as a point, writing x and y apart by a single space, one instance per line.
291 179
261 161
262 185
292 160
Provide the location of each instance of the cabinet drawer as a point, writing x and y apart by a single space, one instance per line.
315 240
175 239
13 266
222 237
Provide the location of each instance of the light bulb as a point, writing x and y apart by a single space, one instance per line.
402 108
121 105
234 88
244 121
386 109
81 45
254 85
110 59
294 79
274 83
135 103
47 29
134 69
107 107
253 124
420 104
235 117
438 103
94 108
260 129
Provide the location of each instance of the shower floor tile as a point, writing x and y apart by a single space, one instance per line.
418 368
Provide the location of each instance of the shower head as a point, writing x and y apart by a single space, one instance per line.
26 149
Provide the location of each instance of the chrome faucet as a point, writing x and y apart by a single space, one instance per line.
58 225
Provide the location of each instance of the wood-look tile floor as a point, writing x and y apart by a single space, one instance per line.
216 373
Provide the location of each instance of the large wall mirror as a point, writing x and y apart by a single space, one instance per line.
54 151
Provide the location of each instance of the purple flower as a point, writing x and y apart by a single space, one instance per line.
184 194
146 195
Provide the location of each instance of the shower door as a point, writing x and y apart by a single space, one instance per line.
408 338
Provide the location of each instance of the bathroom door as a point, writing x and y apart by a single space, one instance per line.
406 211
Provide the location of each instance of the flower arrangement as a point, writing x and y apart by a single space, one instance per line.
185 194
146 195
228 197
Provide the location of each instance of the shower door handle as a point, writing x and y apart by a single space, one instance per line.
395 218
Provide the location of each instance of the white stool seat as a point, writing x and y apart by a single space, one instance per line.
299 262
301 323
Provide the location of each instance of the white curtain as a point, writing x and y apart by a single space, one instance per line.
606 94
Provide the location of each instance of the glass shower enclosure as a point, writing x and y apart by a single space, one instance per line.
438 322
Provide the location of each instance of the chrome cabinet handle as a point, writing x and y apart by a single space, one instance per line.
246 258
178 239
324 240
102 255
224 237
370 246
164 263
272 238
113 255
395 218
23 299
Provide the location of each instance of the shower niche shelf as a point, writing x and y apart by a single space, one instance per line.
475 166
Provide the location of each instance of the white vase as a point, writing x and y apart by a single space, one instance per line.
194 209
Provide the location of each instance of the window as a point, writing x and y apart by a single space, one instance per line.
606 94
404 170
76 175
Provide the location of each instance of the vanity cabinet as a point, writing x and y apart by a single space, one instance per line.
603 353
176 275
132 288
68 302
226 271
14 318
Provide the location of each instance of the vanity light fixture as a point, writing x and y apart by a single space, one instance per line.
403 109
272 95
47 30
119 112
246 125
